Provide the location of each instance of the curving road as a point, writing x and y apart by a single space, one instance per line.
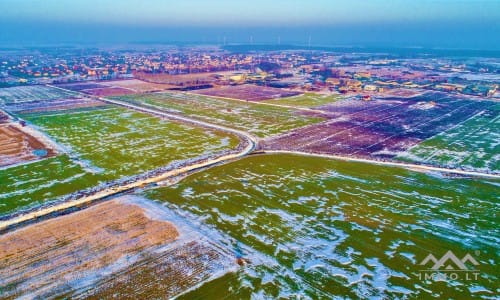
249 139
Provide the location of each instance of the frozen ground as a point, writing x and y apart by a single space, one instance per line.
21 94
318 228
256 119
382 128
473 144
124 247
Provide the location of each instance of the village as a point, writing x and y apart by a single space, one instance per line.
200 67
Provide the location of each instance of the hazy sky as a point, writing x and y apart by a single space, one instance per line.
474 21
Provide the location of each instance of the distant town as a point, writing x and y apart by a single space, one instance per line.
189 68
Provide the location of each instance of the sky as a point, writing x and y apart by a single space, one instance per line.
433 23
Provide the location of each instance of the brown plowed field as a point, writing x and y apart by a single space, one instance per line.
247 92
17 146
109 91
121 249
178 80
140 86
45 255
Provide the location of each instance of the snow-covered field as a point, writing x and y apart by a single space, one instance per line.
473 144
316 228
22 94
259 120
90 253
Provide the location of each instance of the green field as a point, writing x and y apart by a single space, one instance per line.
31 184
119 141
260 120
473 144
103 144
306 100
317 228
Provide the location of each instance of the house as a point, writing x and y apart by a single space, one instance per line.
332 81
370 88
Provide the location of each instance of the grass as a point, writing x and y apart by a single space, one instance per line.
472 144
323 228
260 120
104 144
30 184
309 100
124 142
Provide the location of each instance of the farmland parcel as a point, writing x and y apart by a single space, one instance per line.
259 120
383 128
101 145
114 249
320 228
